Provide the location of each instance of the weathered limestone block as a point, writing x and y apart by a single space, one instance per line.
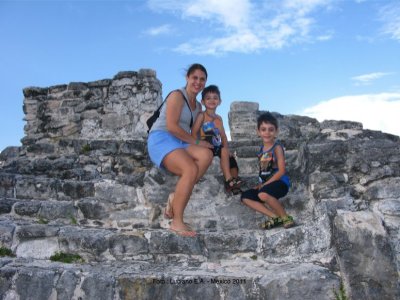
66 284
243 120
383 189
327 156
6 234
305 282
6 281
38 248
55 210
328 185
89 243
124 246
92 208
222 245
37 284
98 286
366 259
295 127
390 211
6 205
28 232
36 241
299 242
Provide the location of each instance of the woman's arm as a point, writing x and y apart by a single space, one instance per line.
173 113
197 124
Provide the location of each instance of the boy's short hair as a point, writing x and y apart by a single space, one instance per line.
267 118
211 89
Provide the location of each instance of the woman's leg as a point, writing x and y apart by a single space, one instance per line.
180 163
202 158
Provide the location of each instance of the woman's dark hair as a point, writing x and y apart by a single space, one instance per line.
211 89
195 67
267 118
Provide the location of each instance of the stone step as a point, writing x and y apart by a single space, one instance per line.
279 245
124 207
109 200
95 159
42 279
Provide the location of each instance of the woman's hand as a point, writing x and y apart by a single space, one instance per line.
206 144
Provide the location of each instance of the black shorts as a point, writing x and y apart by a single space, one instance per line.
276 189
232 161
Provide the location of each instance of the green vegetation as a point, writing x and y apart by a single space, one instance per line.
43 221
5 252
253 257
85 149
67 258
341 294
73 220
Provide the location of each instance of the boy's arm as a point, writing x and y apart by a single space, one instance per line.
197 124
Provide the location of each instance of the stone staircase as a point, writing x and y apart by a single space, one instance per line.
109 211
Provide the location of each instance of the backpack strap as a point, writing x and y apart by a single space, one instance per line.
187 103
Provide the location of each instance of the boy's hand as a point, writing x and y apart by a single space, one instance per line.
258 186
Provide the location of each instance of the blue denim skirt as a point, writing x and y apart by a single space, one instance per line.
160 143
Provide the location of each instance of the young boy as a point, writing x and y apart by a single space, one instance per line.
274 183
209 127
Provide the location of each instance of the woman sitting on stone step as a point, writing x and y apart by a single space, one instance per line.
171 146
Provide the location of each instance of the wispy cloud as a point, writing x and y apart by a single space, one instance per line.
246 25
390 16
160 30
366 79
374 111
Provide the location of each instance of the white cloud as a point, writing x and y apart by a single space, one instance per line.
368 78
160 30
374 111
390 16
246 25
325 37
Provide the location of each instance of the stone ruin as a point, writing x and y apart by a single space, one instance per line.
82 183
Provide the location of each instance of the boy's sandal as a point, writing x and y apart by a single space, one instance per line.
271 223
238 180
288 221
232 184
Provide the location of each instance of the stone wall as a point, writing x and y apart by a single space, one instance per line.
103 109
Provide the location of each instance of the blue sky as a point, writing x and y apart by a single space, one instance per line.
329 59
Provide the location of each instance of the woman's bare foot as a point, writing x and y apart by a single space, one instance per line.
182 230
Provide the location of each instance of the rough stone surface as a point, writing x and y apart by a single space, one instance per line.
82 183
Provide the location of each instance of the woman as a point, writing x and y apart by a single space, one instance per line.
171 145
